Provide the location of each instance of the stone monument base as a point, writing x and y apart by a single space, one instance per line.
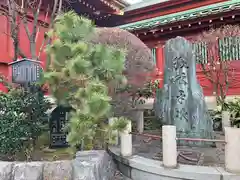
197 137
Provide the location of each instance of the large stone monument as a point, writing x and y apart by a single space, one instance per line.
182 101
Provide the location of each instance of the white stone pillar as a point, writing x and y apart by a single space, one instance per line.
232 149
140 121
126 140
115 132
169 145
225 119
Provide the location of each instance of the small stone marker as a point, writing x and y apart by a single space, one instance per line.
182 101
59 118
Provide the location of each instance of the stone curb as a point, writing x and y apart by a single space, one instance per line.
88 165
140 168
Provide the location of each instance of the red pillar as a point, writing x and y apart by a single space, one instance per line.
159 59
160 64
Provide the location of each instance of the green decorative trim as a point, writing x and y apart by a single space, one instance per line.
184 15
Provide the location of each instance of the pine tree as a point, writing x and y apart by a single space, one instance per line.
78 76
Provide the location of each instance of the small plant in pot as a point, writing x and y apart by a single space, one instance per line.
234 109
217 118
225 115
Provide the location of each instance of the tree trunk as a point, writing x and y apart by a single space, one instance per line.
33 50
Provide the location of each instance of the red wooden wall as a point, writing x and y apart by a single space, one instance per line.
6 44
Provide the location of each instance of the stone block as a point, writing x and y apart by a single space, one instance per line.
93 165
28 171
5 170
58 170
232 148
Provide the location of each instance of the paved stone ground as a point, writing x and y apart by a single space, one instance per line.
208 156
120 176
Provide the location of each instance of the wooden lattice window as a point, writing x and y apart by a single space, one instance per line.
229 48
200 50
154 55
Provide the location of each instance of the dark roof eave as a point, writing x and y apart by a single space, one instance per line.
143 4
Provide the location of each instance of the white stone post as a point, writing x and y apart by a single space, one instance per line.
115 132
232 149
126 140
211 102
225 119
169 145
140 120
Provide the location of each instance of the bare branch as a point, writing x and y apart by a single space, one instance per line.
219 71
25 24
60 6
52 17
21 8
35 21
14 27
53 14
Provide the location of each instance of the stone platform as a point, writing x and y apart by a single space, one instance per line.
207 156
194 163
137 167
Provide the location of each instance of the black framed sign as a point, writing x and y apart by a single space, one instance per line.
58 119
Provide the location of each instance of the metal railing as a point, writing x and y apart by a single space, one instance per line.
178 139
169 143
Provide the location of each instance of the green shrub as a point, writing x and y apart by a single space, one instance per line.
234 109
23 119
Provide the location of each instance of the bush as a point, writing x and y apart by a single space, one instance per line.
139 67
23 119
78 76
234 109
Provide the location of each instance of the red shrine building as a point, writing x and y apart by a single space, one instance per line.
153 21
156 21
